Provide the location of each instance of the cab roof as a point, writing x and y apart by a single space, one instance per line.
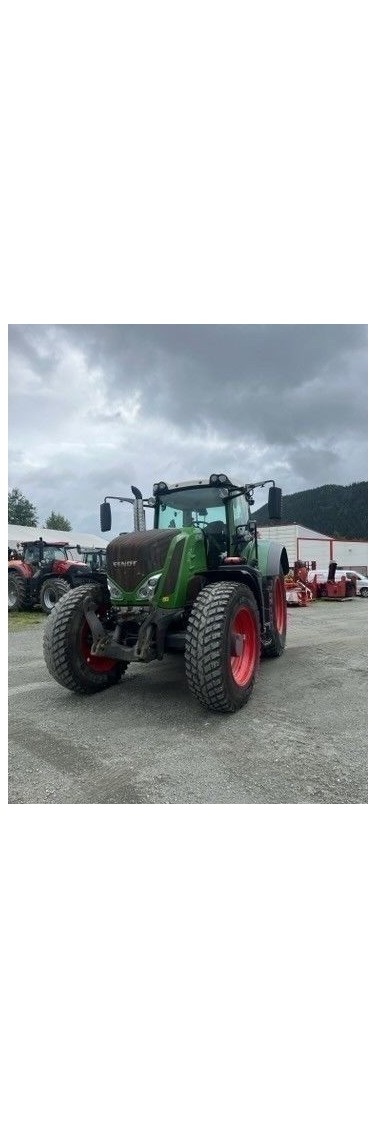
47 544
199 482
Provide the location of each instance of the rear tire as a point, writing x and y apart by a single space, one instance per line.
222 648
51 591
67 642
364 593
279 625
18 599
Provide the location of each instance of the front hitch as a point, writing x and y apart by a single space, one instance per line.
107 642
151 636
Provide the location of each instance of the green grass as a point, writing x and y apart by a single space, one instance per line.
17 620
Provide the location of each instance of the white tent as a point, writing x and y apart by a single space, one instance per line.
19 533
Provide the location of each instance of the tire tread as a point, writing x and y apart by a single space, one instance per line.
204 657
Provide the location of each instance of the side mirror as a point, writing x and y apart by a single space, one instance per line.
275 503
78 548
105 516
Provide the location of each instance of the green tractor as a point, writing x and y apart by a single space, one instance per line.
202 582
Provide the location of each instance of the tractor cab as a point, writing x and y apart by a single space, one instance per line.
219 508
94 557
40 552
40 557
221 513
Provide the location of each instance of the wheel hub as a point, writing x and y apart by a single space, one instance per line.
237 644
50 599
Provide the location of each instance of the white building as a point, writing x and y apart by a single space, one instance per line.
309 545
19 533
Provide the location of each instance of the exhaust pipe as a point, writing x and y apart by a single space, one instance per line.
139 521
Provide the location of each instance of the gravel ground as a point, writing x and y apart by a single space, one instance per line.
301 739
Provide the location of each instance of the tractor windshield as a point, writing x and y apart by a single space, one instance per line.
52 553
200 506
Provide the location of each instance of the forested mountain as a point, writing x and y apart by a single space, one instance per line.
338 511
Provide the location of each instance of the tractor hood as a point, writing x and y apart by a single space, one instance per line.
133 556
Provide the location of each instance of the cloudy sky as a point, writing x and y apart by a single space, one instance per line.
96 408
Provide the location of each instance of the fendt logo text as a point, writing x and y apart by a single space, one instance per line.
124 563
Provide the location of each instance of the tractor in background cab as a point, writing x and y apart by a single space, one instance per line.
94 557
200 582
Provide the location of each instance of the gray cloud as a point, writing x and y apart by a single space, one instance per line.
92 408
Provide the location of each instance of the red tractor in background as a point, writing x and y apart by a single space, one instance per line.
43 574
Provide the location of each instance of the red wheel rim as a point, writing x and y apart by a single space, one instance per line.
244 639
280 611
94 662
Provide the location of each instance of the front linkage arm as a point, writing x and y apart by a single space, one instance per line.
149 645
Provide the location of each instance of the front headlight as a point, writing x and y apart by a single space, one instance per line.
147 589
114 589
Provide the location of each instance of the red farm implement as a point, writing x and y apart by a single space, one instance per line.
308 583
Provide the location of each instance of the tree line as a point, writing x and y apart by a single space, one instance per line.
21 511
337 511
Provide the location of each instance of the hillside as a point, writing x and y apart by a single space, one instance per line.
338 511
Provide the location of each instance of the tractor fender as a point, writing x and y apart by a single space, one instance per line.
20 569
272 558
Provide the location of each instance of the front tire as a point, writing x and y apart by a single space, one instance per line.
364 593
67 643
51 591
222 648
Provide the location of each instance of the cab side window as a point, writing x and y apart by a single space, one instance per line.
241 511
31 555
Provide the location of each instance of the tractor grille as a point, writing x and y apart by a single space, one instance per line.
173 570
132 556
